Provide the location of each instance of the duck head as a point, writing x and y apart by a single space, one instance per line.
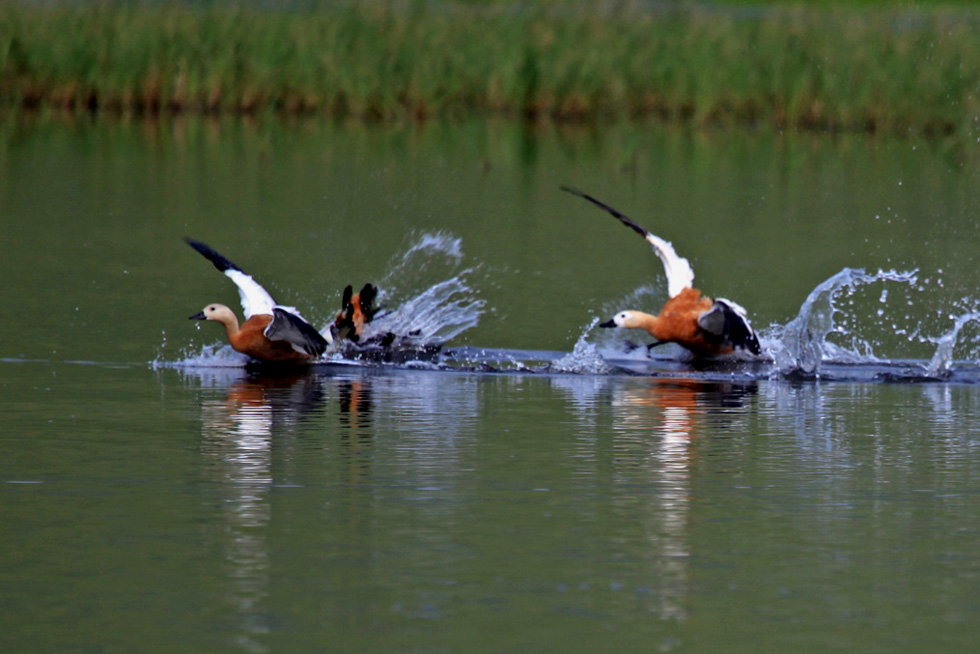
624 319
217 312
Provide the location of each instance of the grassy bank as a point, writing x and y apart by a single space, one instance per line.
873 69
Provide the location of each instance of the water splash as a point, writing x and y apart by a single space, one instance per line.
428 259
215 355
427 244
434 316
942 360
584 357
801 345
446 305
426 300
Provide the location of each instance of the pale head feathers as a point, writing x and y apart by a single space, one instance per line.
218 313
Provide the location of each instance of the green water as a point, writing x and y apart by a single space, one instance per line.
352 509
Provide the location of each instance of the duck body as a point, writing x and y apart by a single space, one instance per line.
703 326
271 332
252 337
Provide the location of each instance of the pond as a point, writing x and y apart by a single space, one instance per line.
537 485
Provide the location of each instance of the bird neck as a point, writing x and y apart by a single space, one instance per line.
646 321
231 326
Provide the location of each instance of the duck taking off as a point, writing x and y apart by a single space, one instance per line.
355 312
271 332
703 326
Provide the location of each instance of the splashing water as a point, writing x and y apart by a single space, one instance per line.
215 355
444 309
439 242
801 345
942 360
428 259
584 357
434 316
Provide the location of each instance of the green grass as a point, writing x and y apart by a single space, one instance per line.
799 66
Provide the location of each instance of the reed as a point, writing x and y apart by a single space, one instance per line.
818 68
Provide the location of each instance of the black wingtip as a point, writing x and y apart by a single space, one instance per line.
220 262
623 218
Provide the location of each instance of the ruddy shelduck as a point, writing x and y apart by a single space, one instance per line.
356 310
703 326
271 332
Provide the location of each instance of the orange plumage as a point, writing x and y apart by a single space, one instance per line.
250 338
704 326
678 322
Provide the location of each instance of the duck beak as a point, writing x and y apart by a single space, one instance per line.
608 323
198 316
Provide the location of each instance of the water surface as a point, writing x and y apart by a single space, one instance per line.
152 505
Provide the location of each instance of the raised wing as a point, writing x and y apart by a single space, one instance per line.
290 327
255 299
729 322
678 269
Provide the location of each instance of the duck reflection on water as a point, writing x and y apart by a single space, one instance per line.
656 427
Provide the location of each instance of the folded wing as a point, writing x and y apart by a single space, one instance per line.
728 322
301 335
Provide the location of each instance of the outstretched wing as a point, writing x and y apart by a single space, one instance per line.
255 299
290 327
728 321
678 269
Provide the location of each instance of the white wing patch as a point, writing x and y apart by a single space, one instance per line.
255 299
734 306
680 275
